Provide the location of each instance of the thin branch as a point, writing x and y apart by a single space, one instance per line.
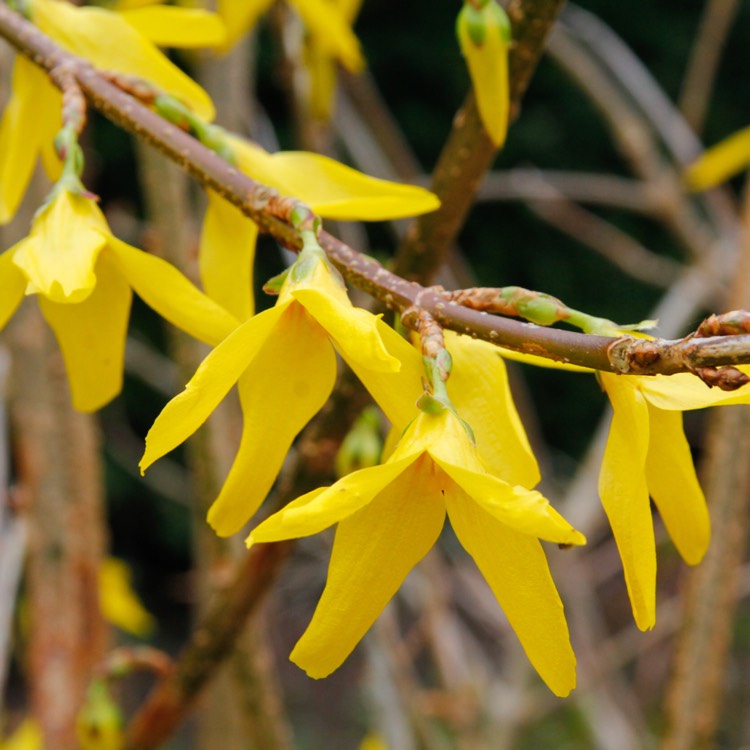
624 355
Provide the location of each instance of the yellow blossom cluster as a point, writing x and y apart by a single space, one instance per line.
465 458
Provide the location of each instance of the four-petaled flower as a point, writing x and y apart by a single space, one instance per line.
83 276
389 516
284 361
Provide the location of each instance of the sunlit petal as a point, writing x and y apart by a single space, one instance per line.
373 552
516 569
354 331
337 502
59 255
479 390
291 378
109 42
218 372
163 288
167 26
624 494
333 190
673 484
91 335
226 256
12 287
527 511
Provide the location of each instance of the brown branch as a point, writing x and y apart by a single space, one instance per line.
624 355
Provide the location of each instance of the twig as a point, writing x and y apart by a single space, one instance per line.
615 355
703 63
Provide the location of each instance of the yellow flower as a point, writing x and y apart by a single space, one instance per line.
484 38
83 277
720 162
389 516
284 362
331 189
322 18
119 603
32 117
647 454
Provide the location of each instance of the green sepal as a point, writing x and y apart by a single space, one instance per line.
274 284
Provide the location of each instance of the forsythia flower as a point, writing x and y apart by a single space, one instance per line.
32 117
82 276
323 19
484 37
720 162
647 454
284 361
388 518
28 736
331 189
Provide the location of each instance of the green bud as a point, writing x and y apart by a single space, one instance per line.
173 110
363 446
474 21
540 310
99 724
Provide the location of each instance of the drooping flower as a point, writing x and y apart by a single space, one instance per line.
83 276
284 361
32 116
647 454
483 31
331 189
720 162
389 516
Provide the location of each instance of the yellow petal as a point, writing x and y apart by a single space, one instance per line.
12 287
348 495
720 162
527 511
396 393
240 16
479 389
488 68
684 391
354 331
290 379
59 255
674 486
516 569
218 372
321 69
22 128
373 552
226 256
118 601
91 335
622 486
163 288
109 42
333 190
331 30
167 26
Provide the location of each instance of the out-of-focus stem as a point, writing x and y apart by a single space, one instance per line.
57 452
698 683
